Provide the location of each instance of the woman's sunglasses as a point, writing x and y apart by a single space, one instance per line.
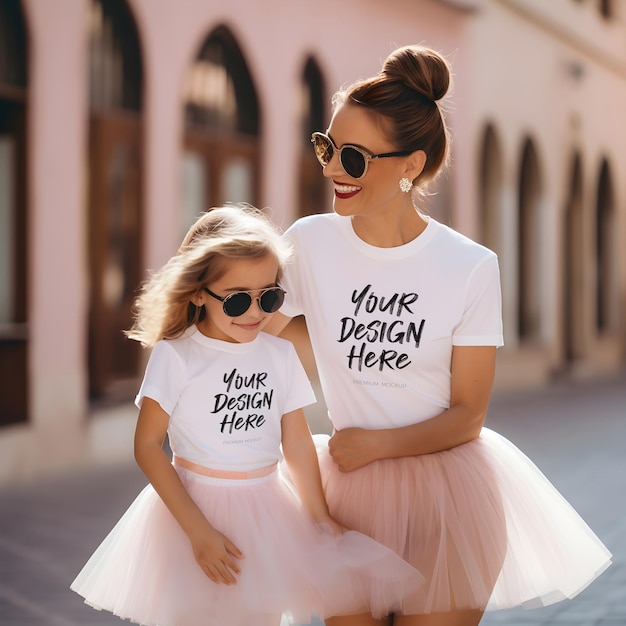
353 159
236 304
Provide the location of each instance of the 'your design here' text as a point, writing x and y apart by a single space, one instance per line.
391 327
244 402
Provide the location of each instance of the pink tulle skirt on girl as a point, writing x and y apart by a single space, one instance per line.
480 522
145 571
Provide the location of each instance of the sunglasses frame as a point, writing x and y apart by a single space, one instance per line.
366 154
224 299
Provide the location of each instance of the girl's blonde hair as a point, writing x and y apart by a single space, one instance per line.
163 309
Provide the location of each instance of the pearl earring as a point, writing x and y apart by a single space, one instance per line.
405 185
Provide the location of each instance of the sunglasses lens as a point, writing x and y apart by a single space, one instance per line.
237 304
353 162
323 149
272 299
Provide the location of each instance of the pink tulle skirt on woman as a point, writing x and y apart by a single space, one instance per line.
145 571
480 522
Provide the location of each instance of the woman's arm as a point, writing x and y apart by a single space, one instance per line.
473 371
301 458
277 324
213 551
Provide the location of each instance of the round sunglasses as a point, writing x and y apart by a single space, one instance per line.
353 159
237 303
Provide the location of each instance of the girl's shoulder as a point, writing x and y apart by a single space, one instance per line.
184 347
169 349
277 344
178 342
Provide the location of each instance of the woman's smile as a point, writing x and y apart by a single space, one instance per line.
345 191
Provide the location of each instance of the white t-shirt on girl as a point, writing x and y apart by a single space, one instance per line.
226 400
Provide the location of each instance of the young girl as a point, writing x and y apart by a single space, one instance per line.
218 537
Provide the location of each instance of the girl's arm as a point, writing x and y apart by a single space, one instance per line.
473 370
213 551
301 458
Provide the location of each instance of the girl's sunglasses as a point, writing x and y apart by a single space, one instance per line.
236 304
353 159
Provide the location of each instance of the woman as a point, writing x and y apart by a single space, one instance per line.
404 316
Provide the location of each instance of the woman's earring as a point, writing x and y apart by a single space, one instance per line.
405 185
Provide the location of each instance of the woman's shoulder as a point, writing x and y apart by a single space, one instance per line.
319 231
457 243
317 221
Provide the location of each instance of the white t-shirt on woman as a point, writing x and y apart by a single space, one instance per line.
383 321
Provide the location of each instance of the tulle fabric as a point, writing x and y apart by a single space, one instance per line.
145 571
480 522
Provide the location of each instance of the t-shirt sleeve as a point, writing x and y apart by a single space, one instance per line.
163 378
481 322
299 391
291 280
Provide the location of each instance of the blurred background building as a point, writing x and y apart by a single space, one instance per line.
121 120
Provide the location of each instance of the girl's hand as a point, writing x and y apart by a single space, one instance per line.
216 555
352 448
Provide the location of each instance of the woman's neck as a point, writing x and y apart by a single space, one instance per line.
389 231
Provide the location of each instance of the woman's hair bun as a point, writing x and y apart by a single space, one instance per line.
420 69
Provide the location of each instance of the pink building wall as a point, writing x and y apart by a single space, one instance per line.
510 60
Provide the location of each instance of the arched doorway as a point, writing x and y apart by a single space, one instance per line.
607 299
13 215
573 277
490 191
529 247
313 192
221 152
114 197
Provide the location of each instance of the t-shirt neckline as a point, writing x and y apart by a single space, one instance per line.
397 252
224 346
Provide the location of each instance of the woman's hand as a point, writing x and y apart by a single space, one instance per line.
216 554
352 448
473 370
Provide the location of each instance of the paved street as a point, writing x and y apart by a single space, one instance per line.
576 433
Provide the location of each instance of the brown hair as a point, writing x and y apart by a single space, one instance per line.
406 95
